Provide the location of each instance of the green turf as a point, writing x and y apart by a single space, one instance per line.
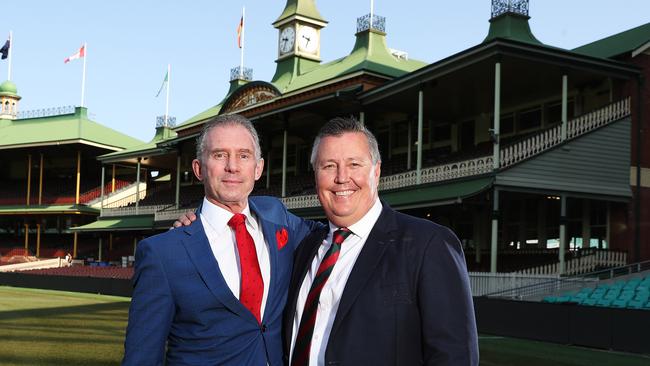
499 351
41 327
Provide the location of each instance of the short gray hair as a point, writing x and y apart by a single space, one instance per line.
227 120
340 125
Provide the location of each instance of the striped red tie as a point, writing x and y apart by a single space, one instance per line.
301 349
251 285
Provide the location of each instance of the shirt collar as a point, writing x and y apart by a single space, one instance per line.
218 217
363 227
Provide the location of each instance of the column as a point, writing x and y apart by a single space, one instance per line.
26 239
477 224
113 180
29 177
284 163
101 193
497 116
564 106
40 181
76 200
177 200
137 187
586 223
563 221
419 142
99 250
409 145
38 240
495 228
74 245
542 235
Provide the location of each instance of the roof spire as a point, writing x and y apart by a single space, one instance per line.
510 21
300 9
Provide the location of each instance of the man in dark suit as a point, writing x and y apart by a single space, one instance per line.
377 287
213 292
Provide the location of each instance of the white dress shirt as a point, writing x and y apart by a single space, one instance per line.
330 296
224 246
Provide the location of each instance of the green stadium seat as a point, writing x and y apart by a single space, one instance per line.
604 302
636 304
577 300
642 296
612 294
631 284
550 299
626 295
619 303
589 302
582 295
597 294
618 285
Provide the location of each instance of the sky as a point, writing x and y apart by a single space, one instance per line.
131 42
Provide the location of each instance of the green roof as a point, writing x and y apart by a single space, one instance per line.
119 224
618 44
305 8
150 148
65 128
511 26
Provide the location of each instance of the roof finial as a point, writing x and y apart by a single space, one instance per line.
500 7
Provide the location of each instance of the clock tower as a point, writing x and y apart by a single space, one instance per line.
298 28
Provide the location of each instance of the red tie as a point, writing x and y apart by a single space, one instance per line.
302 346
252 285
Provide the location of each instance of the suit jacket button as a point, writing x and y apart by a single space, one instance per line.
263 328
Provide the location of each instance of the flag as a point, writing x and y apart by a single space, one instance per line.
5 50
240 29
79 54
163 83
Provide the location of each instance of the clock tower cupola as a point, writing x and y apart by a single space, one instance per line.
299 28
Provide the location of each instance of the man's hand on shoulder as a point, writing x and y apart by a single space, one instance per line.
185 219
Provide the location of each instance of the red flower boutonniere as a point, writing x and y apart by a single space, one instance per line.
282 237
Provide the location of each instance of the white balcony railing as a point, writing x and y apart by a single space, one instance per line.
545 140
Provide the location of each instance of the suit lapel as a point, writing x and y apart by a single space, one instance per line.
199 251
370 256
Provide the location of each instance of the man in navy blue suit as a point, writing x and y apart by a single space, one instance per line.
213 292
377 287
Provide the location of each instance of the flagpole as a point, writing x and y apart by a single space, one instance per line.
243 33
83 75
169 77
372 10
11 46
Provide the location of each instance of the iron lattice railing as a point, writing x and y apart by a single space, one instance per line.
378 23
236 73
509 6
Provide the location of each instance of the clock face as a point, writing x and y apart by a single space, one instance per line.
308 39
287 39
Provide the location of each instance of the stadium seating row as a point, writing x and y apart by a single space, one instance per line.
631 294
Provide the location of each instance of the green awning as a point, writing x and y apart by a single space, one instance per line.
433 195
47 210
422 196
118 224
